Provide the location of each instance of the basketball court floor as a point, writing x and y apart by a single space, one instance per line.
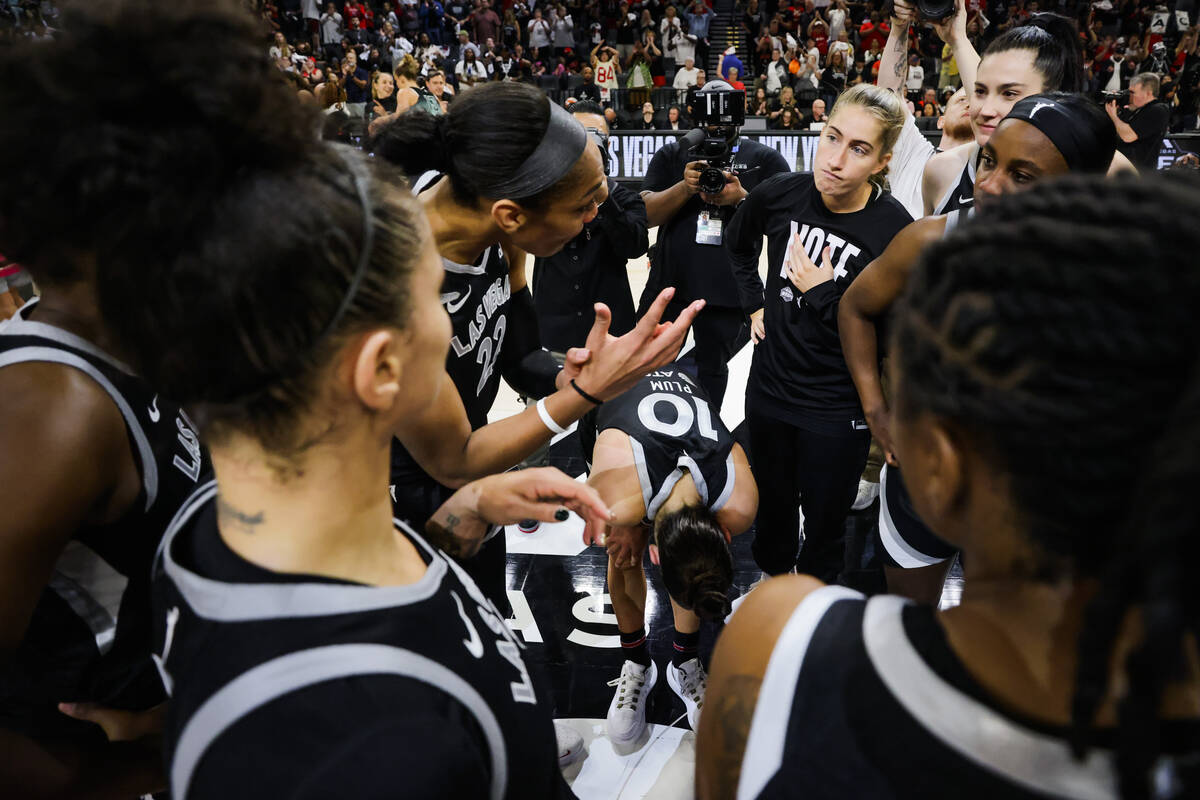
560 609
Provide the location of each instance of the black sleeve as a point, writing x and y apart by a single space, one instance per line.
743 242
527 367
661 174
1151 123
627 228
415 757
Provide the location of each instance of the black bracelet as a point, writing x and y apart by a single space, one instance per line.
585 395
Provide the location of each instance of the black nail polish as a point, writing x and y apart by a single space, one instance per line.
562 514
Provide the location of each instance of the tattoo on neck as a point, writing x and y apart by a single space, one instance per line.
241 520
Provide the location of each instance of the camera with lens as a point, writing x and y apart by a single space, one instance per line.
601 139
935 9
719 111
1121 98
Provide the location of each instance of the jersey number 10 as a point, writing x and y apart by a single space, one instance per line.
684 418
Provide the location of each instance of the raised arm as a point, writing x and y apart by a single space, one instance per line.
441 439
893 66
954 33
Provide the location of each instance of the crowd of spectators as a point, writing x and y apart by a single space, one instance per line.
373 58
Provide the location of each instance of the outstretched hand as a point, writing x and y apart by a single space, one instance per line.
616 364
543 494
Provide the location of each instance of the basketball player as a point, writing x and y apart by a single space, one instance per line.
94 462
912 150
1042 137
1023 362
808 439
312 645
662 460
506 172
1039 56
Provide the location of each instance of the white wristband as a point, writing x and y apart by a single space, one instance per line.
548 420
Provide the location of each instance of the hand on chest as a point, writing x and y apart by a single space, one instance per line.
805 240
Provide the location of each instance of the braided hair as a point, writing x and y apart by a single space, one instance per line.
1060 330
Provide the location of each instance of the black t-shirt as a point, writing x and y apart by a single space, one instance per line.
1150 124
799 374
700 270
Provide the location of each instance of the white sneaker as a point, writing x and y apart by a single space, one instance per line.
867 492
627 711
570 744
689 682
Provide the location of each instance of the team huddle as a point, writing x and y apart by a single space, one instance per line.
253 535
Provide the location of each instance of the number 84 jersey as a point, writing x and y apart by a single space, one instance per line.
672 428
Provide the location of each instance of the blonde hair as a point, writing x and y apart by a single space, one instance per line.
408 68
888 110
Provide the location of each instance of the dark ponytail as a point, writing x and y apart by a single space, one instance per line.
1057 53
227 238
697 568
481 142
1060 329
417 146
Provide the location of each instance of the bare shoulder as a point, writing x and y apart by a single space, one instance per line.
737 515
738 666
614 477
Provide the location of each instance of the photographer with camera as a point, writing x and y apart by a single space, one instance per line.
1142 123
691 190
591 268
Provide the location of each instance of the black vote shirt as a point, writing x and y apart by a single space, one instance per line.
591 269
1150 124
289 685
90 634
700 271
799 374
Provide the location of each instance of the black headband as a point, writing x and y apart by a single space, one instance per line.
562 144
1068 129
359 174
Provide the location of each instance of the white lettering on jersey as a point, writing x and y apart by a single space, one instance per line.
684 417
153 411
191 444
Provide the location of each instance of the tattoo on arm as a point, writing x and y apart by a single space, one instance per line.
239 519
902 50
734 709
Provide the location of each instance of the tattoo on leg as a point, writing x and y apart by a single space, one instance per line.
733 709
241 520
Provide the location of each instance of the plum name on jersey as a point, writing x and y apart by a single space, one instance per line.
670 384
494 298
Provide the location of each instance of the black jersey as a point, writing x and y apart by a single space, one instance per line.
304 686
90 635
961 194
799 374
671 428
476 296
865 698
